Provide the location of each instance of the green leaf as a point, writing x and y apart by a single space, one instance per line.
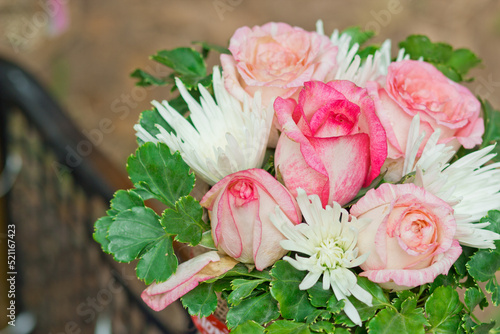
318 296
261 308
491 128
401 297
185 221
323 327
166 176
125 200
158 263
241 270
207 241
185 61
334 305
484 328
473 297
150 118
294 303
462 60
146 79
468 324
460 263
249 327
484 264
493 288
390 321
208 46
201 301
101 228
288 327
369 50
444 280
442 308
357 35
242 288
132 231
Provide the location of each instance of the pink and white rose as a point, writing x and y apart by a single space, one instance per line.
332 142
277 59
409 236
416 87
239 206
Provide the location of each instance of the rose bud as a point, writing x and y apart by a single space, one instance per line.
332 142
239 206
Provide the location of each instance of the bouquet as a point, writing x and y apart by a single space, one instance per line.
341 189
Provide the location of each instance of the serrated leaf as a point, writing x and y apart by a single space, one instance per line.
132 231
287 327
493 288
334 305
241 270
323 327
484 264
185 221
217 48
444 280
294 303
146 79
468 324
484 328
389 321
126 199
249 327
201 301
473 297
318 296
185 61
101 228
242 288
401 297
358 35
460 263
166 176
261 308
491 128
313 317
158 263
442 308
149 119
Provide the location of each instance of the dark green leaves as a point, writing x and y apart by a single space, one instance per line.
261 308
146 79
185 221
409 320
442 309
249 327
294 303
162 174
491 128
357 35
288 327
455 64
242 288
201 301
150 118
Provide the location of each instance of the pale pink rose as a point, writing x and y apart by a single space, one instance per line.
332 142
239 206
276 58
187 277
408 236
416 87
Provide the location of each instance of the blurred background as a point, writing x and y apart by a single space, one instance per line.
83 52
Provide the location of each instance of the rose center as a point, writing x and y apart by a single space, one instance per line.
243 192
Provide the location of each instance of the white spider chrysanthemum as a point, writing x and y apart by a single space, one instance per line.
225 136
329 239
470 188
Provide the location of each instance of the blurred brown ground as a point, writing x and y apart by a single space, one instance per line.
87 67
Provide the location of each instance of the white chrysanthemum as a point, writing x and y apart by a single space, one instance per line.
225 137
329 239
470 188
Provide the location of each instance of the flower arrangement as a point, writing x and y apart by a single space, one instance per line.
346 191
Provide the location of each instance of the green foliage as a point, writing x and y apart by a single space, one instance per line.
455 64
410 319
185 221
158 263
101 229
473 297
358 35
288 327
207 47
201 301
249 327
442 309
491 128
242 288
294 303
261 308
162 174
145 79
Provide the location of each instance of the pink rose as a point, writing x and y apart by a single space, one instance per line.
409 235
276 58
418 87
239 207
332 142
